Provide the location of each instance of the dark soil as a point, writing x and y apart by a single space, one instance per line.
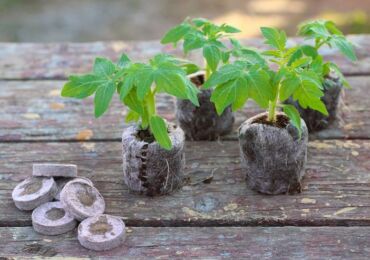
101 226
55 213
145 135
282 121
31 187
86 196
198 80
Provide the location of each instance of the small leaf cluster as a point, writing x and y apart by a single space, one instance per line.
202 34
299 73
136 84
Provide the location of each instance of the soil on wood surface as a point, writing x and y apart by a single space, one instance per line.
145 135
86 195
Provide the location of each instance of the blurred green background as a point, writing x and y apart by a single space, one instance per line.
98 20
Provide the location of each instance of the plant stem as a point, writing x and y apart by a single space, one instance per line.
149 109
273 105
208 71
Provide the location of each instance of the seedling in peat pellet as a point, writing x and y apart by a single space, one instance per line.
203 123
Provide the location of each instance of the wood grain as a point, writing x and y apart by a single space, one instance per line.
34 110
58 60
336 189
206 242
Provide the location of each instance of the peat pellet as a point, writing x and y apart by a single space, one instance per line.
51 219
34 191
62 181
54 170
82 200
100 233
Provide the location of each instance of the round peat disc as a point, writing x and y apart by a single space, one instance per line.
82 200
62 181
51 219
54 170
102 232
34 191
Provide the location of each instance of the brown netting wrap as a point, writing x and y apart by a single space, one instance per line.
203 123
150 169
273 158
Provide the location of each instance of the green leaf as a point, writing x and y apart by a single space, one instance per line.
260 89
301 62
176 33
81 86
345 47
159 129
171 83
288 86
133 102
103 67
224 74
274 37
192 91
124 61
294 117
200 21
192 41
309 51
127 85
336 69
309 93
212 54
103 97
235 91
144 80
229 29
132 116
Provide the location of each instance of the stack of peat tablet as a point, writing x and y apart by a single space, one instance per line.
76 199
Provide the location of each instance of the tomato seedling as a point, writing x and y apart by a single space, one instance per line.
137 85
202 34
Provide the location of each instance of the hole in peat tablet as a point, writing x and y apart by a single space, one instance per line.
101 226
32 186
55 213
86 196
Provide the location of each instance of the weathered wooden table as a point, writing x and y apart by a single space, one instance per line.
221 219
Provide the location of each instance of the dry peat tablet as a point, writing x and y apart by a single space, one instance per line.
62 181
54 170
82 200
51 219
101 232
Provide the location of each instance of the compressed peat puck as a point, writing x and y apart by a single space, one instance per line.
51 219
62 181
102 232
34 191
54 170
82 200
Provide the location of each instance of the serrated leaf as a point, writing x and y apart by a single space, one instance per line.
171 83
345 47
103 67
224 74
176 33
294 117
159 129
301 62
288 86
81 86
133 102
199 21
193 41
260 89
212 55
144 80
124 61
228 93
274 37
103 97
192 92
126 87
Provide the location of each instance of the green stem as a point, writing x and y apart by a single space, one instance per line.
208 71
272 106
149 109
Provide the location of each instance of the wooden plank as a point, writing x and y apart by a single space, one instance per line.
336 189
209 242
57 60
34 110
